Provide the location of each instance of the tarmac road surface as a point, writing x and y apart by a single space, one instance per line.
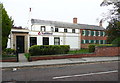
107 71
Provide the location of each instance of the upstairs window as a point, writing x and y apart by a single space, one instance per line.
73 30
56 30
92 33
86 33
65 30
83 32
42 28
89 33
52 29
97 33
103 33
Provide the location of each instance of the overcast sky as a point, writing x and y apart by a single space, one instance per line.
87 11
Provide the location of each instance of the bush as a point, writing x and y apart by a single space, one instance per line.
116 42
104 45
27 55
8 52
48 49
91 48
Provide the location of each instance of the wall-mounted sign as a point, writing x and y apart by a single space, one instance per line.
44 33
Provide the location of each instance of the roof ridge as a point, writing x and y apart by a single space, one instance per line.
66 24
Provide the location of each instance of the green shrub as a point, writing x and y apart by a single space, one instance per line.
27 55
48 49
81 51
104 45
91 48
116 42
8 52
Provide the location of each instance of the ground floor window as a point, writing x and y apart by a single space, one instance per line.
45 40
93 41
56 41
33 41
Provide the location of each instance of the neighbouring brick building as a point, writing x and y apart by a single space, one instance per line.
91 34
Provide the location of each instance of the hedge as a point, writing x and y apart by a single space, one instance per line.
48 49
8 52
92 46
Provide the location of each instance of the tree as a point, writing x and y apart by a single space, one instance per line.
113 13
116 41
113 29
7 24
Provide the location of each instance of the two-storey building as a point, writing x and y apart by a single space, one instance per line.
44 32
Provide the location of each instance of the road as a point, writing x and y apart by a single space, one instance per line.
107 71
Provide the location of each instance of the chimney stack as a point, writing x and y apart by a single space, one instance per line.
75 20
100 23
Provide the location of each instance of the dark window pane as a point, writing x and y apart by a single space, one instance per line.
56 41
65 30
56 29
33 41
73 30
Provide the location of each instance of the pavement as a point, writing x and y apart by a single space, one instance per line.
22 58
58 62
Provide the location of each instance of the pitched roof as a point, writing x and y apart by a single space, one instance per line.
65 24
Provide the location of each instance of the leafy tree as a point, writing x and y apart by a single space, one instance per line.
7 24
113 29
114 13
116 41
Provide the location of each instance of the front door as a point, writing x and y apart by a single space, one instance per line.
45 40
20 44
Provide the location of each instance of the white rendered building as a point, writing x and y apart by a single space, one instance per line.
43 32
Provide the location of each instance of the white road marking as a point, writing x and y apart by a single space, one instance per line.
60 77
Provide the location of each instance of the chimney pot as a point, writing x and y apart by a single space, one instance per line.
75 20
100 23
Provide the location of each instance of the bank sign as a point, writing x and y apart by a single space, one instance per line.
44 33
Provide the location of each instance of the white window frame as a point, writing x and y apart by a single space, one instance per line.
52 29
94 33
57 28
99 33
103 33
43 28
73 30
84 32
65 30
58 43
89 33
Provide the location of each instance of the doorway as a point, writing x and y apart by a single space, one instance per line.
45 40
20 44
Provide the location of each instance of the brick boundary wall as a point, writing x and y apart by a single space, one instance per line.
107 51
99 51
